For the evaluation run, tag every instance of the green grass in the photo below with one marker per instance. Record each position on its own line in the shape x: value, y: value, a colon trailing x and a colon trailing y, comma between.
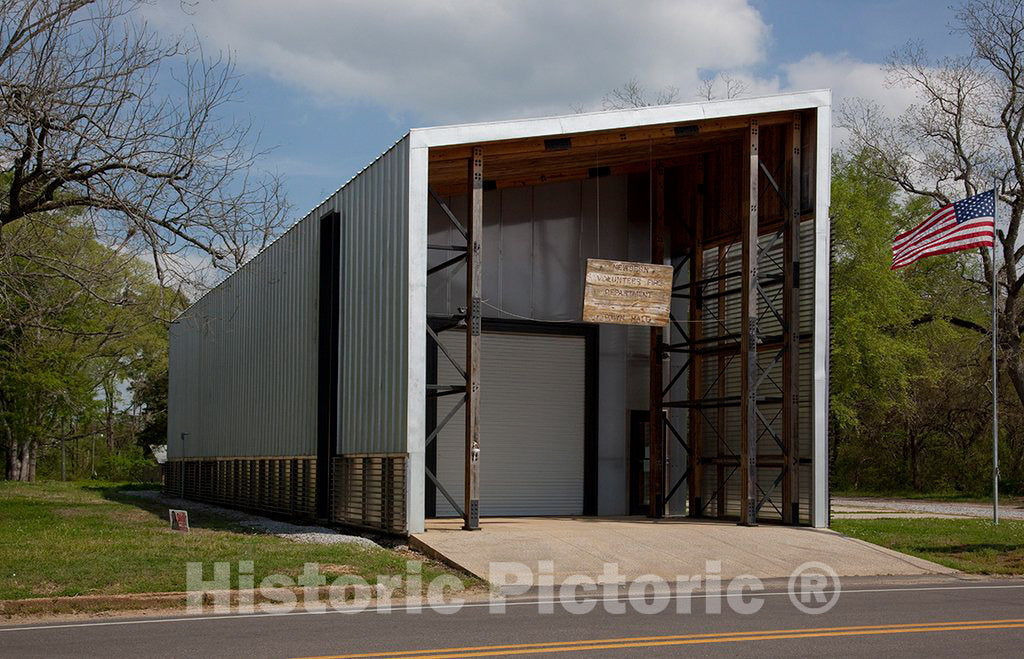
x: 970, y: 545
x: 91, y: 538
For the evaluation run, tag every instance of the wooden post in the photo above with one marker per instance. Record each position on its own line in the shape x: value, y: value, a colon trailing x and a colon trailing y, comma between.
x: 791, y: 334
x: 696, y: 330
x: 474, y: 280
x: 748, y: 331
x: 657, y: 451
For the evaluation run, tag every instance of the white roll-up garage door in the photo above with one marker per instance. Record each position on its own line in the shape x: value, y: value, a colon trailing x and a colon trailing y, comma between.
x: 531, y: 424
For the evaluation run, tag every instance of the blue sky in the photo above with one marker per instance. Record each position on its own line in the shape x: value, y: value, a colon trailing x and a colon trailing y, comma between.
x: 332, y: 84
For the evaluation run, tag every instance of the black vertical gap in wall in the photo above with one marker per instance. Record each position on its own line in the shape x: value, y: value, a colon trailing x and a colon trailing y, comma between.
x: 430, y: 496
x: 328, y: 351
x: 590, y: 420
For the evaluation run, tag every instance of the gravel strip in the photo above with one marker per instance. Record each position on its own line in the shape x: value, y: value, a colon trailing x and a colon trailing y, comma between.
x: 936, y: 507
x: 295, y: 532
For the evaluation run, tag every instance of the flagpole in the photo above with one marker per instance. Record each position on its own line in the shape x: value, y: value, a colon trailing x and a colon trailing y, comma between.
x: 995, y: 361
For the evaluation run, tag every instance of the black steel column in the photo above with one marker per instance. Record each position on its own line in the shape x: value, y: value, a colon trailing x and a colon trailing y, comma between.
x: 791, y: 334
x: 657, y: 448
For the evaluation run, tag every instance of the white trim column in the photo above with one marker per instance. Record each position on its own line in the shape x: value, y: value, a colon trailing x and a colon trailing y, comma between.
x: 417, y: 347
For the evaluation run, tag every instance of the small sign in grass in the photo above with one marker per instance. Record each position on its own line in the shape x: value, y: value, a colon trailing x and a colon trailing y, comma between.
x: 179, y: 520
x: 91, y: 539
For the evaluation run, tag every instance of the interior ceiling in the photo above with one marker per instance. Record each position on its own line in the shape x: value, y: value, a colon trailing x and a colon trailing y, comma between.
x: 515, y: 163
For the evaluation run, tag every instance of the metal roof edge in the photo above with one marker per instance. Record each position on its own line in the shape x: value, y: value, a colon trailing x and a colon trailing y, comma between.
x: 615, y: 119
x: 305, y: 217
x: 565, y: 124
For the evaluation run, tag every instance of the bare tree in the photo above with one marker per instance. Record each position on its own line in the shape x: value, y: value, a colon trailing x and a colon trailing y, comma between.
x: 102, y: 115
x: 722, y: 85
x: 633, y: 94
x: 966, y: 130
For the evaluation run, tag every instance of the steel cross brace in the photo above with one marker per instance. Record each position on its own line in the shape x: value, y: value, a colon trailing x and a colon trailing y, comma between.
x: 771, y: 490
x: 449, y: 213
x: 444, y: 350
x: 714, y: 495
x: 451, y: 500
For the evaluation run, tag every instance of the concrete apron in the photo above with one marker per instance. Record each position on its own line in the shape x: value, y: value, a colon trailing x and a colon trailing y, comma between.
x: 666, y: 548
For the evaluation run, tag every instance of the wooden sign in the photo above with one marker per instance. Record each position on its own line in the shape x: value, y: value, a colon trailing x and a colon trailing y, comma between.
x: 179, y: 520
x: 627, y: 293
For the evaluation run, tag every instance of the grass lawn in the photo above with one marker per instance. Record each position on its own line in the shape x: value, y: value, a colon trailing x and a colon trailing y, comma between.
x: 970, y: 545
x: 1004, y: 500
x: 92, y: 539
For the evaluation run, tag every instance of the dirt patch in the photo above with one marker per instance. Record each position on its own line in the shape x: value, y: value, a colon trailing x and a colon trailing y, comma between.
x: 54, y: 606
x: 47, y: 588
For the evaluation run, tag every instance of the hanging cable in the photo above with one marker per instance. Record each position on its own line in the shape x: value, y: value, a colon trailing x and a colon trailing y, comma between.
x: 536, y: 320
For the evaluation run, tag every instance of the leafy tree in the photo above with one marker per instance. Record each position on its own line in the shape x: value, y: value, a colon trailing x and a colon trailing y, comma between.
x: 909, y: 352
x: 966, y: 130
x: 150, y: 396
x: 875, y: 353
x: 63, y: 347
x: 118, y: 174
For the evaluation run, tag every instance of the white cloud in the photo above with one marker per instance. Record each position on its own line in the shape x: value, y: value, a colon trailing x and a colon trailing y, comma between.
x: 459, y: 60
x: 848, y: 77
x: 462, y: 60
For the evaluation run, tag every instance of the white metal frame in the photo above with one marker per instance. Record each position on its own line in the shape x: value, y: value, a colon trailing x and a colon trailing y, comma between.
x: 422, y: 139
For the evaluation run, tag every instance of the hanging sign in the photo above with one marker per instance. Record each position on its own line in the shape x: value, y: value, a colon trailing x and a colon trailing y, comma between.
x: 627, y: 293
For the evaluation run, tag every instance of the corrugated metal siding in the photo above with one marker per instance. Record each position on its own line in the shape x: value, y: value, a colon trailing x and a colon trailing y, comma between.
x: 243, y: 358
x: 536, y: 243
x: 374, y: 210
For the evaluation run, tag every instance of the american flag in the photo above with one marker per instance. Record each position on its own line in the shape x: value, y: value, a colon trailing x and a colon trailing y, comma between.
x: 964, y: 224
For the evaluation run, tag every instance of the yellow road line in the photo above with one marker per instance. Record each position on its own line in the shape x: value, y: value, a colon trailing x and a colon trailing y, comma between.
x: 727, y: 639
x: 686, y: 639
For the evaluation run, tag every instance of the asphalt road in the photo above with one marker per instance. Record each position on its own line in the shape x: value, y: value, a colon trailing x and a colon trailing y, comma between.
x: 914, y: 617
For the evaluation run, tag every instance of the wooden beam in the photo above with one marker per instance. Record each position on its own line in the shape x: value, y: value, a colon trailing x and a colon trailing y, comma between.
x: 657, y: 449
x: 642, y: 134
x: 474, y: 281
x: 518, y: 170
x: 696, y: 330
x: 748, y: 331
x: 791, y: 333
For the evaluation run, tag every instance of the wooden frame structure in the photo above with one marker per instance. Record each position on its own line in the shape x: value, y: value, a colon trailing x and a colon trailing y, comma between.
x: 535, y: 161
x: 471, y: 254
x: 748, y: 344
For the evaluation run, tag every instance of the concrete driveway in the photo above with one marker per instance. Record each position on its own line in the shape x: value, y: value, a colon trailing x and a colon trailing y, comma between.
x: 666, y: 548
